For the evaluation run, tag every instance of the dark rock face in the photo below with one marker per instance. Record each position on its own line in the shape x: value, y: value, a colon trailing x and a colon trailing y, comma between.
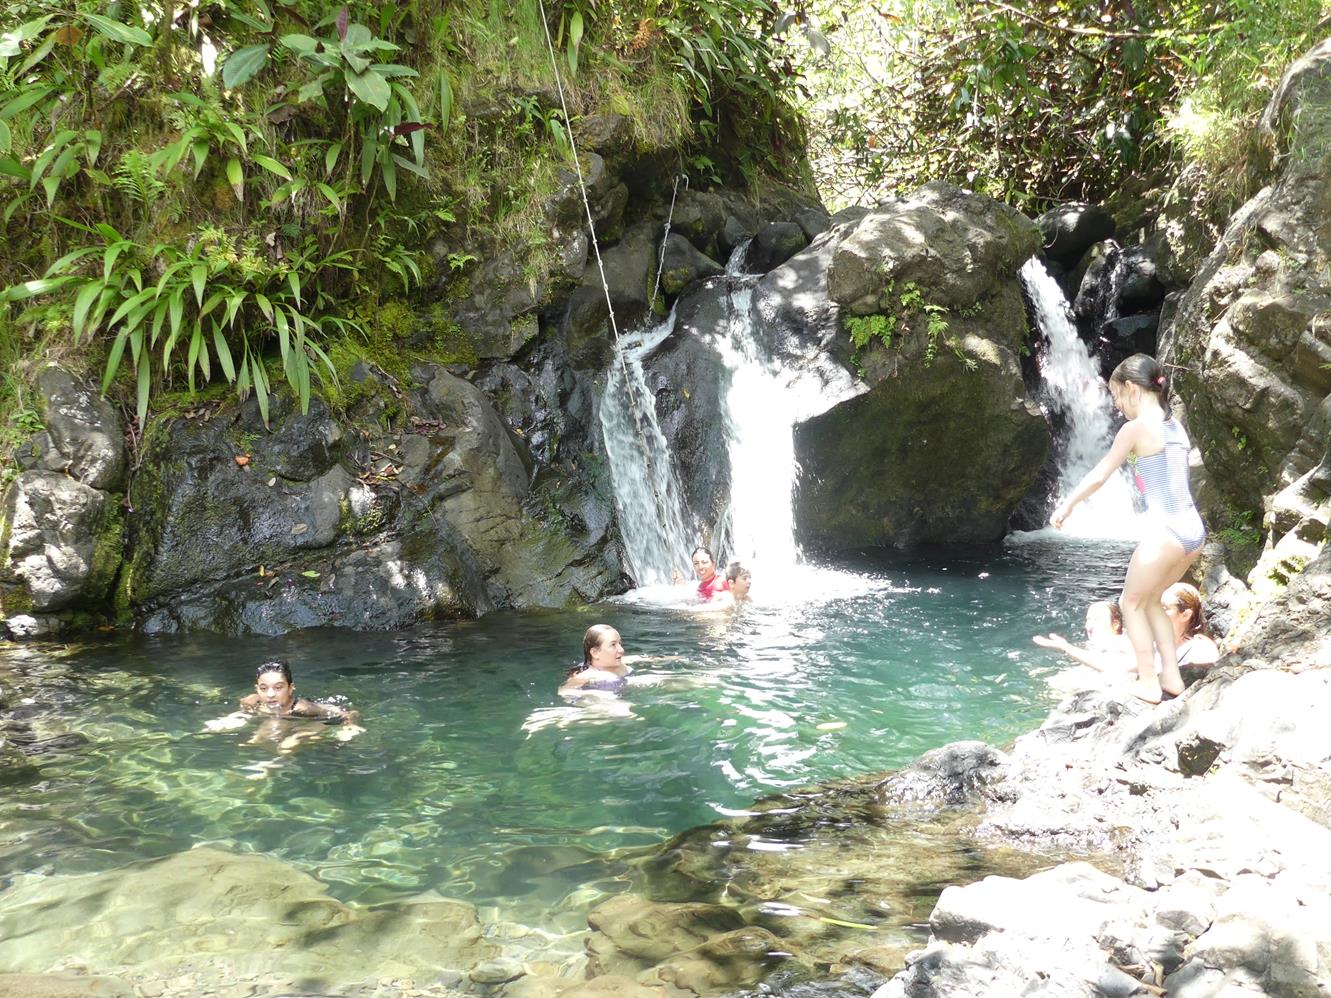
x: 1251, y: 339
x: 689, y: 382
x: 952, y: 452
x: 938, y: 270
x: 352, y: 526
x: 682, y: 264
x: 774, y: 244
x: 1068, y: 231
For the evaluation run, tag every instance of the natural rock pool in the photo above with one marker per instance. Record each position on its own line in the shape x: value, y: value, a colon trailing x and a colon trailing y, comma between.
x: 474, y: 782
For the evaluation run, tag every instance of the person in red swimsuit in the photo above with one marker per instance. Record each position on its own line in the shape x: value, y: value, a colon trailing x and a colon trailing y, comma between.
x: 709, y: 582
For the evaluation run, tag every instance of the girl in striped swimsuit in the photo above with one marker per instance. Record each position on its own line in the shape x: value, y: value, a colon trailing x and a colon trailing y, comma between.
x: 1173, y: 541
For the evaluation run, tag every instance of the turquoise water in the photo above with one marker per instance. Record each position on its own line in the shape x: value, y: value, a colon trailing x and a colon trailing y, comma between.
x: 472, y: 774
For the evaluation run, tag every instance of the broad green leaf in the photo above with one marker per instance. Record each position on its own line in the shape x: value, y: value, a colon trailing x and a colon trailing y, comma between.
x: 265, y: 306
x: 242, y: 65
x: 200, y: 150
x: 311, y: 90
x: 38, y: 54
x: 272, y: 166
x: 411, y: 167
x: 310, y: 575
x: 192, y: 355
x: 330, y: 157
x: 145, y: 384
x: 260, y: 387
x: 198, y: 275
x: 92, y: 145
x: 235, y: 176
x: 117, y: 31
x: 238, y: 134
x: 301, y: 44
x: 445, y: 101
x: 30, y: 289
x: 293, y: 280
x: 223, y: 354
x: 23, y: 101
x: 13, y: 168
x: 389, y: 172
x: 331, y: 195
x: 6, y: 138
x: 113, y: 358
x: 369, y: 87
x: 82, y: 303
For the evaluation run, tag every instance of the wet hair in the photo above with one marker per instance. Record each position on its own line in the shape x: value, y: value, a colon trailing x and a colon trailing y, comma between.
x: 704, y: 551
x: 278, y: 665
x: 596, y: 636
x: 1143, y: 371
x: 734, y: 570
x: 1115, y: 613
x: 1186, y: 597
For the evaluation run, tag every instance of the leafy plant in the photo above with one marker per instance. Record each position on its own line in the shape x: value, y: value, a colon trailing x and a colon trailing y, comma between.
x: 214, y: 301
x: 384, y: 117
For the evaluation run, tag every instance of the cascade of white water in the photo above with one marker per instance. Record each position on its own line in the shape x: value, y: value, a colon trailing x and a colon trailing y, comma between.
x: 762, y: 406
x: 647, y: 496
x: 1076, y: 391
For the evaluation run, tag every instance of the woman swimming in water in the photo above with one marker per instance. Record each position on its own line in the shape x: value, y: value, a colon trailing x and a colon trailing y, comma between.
x: 603, y: 670
x: 1160, y: 447
x: 1107, y: 648
x: 274, y: 698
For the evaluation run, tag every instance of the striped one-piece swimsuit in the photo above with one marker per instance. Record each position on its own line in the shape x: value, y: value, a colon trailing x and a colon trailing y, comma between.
x: 1163, y: 480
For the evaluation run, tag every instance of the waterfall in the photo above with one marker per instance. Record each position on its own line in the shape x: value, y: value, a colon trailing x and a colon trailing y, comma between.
x: 1072, y: 381
x: 764, y: 402
x: 647, y: 497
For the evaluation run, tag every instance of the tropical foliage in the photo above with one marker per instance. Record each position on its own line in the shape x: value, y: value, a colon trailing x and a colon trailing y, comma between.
x: 192, y: 192
x: 1037, y: 101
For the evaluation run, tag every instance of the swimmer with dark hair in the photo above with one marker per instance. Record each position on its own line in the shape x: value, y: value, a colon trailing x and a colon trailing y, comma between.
x: 274, y: 698
x: 738, y: 580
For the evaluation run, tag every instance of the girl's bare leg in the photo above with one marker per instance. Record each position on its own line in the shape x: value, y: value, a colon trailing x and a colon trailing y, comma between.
x: 1157, y: 564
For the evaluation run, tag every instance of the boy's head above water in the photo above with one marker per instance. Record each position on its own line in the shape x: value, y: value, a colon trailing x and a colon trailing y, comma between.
x: 272, y: 683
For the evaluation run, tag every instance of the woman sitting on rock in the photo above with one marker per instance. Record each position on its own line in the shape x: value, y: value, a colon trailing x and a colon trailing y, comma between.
x: 1183, y: 604
x: 1173, y: 540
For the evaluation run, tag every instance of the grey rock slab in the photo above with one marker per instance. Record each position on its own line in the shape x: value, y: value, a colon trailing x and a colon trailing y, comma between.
x: 53, y: 528
x: 84, y: 428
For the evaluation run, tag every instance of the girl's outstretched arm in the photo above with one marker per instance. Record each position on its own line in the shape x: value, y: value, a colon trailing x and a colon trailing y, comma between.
x: 1118, y: 453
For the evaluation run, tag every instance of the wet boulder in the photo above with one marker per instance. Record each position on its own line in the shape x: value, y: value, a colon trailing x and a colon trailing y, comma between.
x: 682, y: 264
x: 1069, y: 230
x: 61, y: 543
x: 939, y: 453
x: 774, y: 244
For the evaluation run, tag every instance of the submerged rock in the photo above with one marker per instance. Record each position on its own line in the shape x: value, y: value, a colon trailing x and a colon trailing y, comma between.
x: 174, y: 915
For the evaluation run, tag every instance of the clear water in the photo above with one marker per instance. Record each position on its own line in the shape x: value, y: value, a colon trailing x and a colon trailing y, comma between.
x: 446, y: 790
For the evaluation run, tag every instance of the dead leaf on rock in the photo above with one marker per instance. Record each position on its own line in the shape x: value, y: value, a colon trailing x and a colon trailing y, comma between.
x: 300, y: 528
x: 242, y: 460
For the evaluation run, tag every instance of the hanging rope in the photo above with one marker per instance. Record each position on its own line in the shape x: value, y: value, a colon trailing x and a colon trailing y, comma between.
x: 670, y: 215
x: 596, y: 248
